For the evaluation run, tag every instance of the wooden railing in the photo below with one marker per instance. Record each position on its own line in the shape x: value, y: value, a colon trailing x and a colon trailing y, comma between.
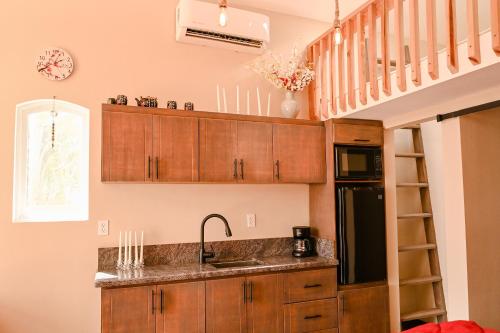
x: 335, y: 88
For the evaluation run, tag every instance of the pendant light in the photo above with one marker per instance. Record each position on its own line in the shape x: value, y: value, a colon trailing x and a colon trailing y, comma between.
x: 223, y: 13
x: 337, y: 29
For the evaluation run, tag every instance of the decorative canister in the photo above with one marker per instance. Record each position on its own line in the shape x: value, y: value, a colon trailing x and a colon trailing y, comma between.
x: 189, y: 106
x: 111, y: 100
x: 121, y: 100
x: 289, y: 107
x: 172, y: 105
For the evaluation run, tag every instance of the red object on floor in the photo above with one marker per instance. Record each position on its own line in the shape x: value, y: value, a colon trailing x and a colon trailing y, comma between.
x: 459, y: 326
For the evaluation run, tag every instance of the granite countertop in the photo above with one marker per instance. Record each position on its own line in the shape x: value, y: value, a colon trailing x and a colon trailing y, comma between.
x: 194, y: 271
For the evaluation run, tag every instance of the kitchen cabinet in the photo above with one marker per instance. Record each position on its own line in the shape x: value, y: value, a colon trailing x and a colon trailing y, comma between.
x: 175, y: 147
x: 128, y: 310
x: 255, y: 152
x: 299, y: 153
x: 252, y: 304
x: 311, y: 316
x: 358, y: 134
x: 181, y: 308
x: 127, y: 147
x: 364, y: 310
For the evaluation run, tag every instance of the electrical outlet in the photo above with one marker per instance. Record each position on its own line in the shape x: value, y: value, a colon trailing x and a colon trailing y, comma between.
x: 251, y: 220
x: 103, y: 228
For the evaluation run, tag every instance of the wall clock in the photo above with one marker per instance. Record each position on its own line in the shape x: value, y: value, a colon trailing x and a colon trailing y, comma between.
x: 54, y: 64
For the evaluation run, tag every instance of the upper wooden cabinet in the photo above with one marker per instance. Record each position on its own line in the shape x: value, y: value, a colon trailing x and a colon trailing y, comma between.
x: 299, y: 153
x: 128, y: 310
x: 161, y: 146
x: 127, y: 147
x: 364, y: 310
x: 175, y: 147
x: 358, y: 134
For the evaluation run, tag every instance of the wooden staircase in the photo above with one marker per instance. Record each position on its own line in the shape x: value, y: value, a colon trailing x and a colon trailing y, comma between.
x: 438, y: 311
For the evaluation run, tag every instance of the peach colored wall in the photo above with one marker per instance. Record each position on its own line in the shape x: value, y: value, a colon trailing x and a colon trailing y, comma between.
x: 47, y: 269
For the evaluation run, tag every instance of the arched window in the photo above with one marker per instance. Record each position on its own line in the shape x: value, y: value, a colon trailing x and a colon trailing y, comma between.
x: 51, y: 162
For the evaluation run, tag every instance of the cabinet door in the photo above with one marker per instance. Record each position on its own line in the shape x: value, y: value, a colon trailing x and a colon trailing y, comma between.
x: 225, y: 306
x: 181, y: 308
x: 364, y: 310
x: 127, y: 145
x: 299, y: 153
x: 218, y: 160
x: 128, y: 310
x: 265, y: 304
x: 175, y: 148
x: 255, y: 152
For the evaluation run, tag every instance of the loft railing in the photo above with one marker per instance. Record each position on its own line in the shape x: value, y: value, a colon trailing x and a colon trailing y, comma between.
x: 362, y: 59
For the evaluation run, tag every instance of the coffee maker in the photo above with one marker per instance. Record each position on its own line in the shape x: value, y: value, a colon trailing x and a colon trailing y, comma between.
x: 303, y: 244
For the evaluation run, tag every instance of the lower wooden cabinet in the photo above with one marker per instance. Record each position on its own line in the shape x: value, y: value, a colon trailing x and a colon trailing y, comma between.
x: 364, y: 310
x: 128, y: 310
x: 311, y: 316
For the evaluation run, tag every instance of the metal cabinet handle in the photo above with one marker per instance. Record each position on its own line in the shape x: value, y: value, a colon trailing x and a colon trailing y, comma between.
x: 313, y: 317
x: 278, y: 169
x: 157, y: 168
x: 362, y: 140
x: 251, y: 292
x: 149, y: 167
x: 161, y: 300
x: 316, y: 285
x: 235, y: 170
x: 244, y: 292
x: 241, y: 168
x: 152, y: 302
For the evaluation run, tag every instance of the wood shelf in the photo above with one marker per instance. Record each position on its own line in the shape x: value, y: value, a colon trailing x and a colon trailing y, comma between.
x: 434, y: 312
x: 414, y: 216
x: 410, y: 155
x: 420, y: 185
x: 418, y: 247
x: 420, y: 280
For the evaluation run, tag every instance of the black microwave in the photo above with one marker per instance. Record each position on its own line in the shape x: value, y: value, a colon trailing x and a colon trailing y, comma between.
x: 358, y: 163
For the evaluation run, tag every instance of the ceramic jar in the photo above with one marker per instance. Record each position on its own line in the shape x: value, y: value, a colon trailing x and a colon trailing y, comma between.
x: 289, y: 107
x: 121, y: 100
x: 189, y: 106
x: 172, y: 105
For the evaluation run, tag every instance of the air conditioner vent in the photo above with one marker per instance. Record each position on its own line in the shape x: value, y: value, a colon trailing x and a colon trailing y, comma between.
x: 223, y: 38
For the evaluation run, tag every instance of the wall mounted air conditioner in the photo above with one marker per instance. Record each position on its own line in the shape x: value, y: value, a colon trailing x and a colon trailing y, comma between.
x: 197, y: 22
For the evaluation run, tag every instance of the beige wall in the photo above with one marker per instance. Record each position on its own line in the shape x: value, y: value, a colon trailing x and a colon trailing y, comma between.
x: 47, y: 269
x: 480, y: 134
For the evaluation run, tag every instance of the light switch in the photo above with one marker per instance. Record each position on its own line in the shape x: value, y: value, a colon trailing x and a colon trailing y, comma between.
x: 103, y: 228
x: 251, y: 220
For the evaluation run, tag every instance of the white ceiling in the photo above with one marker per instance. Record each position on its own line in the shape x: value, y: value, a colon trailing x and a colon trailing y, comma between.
x: 321, y: 10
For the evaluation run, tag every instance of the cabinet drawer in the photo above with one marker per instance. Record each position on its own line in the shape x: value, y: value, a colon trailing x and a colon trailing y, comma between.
x: 310, y: 285
x: 311, y: 316
x: 358, y: 134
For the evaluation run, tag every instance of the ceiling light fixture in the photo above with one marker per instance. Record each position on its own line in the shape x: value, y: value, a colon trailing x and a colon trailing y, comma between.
x: 337, y: 29
x: 223, y: 13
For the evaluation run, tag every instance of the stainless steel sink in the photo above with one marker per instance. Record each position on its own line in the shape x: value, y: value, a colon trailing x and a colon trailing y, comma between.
x: 237, y: 263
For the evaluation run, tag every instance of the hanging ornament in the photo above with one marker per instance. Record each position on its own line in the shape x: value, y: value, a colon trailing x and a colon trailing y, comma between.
x: 53, y: 113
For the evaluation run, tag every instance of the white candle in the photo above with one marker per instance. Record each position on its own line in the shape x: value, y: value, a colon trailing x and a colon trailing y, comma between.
x: 237, y: 99
x: 248, y: 101
x: 125, y: 247
x: 136, y: 252
x: 258, y: 102
x: 268, y: 104
x: 130, y: 246
x: 218, y: 98
x: 120, y: 249
x: 141, y: 260
x: 224, y: 99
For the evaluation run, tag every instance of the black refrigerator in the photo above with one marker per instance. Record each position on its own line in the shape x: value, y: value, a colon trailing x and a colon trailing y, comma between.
x: 361, y: 240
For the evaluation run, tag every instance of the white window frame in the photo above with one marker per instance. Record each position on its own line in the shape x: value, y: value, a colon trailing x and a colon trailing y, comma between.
x: 20, y: 212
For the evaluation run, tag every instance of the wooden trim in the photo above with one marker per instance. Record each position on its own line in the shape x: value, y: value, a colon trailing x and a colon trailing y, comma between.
x: 323, y: 85
x: 205, y: 114
x: 384, y: 35
x: 495, y: 25
x: 415, y: 43
x: 340, y: 67
x: 350, y: 66
x: 105, y: 150
x: 311, y: 89
x: 432, y: 57
x: 474, y: 50
x: 361, y: 58
x: 400, y: 52
x: 317, y: 66
x: 451, y: 34
x: 372, y: 50
x: 333, y: 87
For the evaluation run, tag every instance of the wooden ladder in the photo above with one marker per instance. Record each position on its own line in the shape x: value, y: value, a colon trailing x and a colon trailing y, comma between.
x: 437, y: 312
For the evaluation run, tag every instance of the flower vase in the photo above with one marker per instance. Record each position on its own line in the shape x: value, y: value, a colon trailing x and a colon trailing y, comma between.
x: 289, y: 107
